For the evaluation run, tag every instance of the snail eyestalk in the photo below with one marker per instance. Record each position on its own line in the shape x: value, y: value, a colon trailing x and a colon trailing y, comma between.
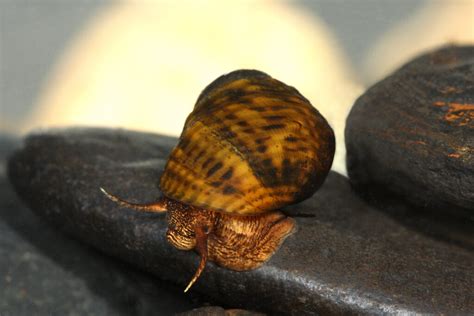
x: 202, y: 232
x: 157, y: 207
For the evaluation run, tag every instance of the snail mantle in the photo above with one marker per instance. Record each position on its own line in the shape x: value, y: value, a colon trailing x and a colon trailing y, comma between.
x: 346, y: 256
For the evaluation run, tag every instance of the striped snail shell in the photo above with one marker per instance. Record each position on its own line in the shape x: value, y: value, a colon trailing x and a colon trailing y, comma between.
x: 251, y: 146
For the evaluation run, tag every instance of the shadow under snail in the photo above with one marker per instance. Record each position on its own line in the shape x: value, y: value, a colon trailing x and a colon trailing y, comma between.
x: 251, y: 146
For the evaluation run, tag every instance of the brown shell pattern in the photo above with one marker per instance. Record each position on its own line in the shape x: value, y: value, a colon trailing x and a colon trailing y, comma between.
x: 252, y: 144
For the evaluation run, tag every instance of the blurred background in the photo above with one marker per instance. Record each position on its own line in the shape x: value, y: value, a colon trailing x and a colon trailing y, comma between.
x: 140, y: 64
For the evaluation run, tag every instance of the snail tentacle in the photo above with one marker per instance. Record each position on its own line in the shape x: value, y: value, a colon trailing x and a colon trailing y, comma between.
x: 202, y: 233
x: 156, y: 207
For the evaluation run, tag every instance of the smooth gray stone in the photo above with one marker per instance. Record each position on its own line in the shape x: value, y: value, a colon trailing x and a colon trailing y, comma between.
x: 45, y: 272
x: 346, y: 257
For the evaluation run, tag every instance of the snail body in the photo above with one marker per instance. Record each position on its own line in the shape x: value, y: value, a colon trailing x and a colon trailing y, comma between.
x: 251, y: 146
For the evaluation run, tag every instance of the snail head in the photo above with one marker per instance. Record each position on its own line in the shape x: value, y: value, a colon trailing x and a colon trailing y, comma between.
x: 188, y: 226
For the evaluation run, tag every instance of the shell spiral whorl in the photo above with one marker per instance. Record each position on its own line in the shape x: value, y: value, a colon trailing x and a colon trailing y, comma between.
x: 252, y: 144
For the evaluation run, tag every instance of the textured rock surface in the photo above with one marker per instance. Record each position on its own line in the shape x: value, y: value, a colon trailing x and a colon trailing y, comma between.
x: 346, y: 256
x: 413, y: 133
x: 44, y: 272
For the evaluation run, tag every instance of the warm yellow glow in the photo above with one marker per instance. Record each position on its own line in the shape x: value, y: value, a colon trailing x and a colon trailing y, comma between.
x: 141, y: 65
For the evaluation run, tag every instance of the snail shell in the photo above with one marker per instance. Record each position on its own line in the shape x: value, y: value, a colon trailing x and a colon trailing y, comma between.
x: 251, y: 146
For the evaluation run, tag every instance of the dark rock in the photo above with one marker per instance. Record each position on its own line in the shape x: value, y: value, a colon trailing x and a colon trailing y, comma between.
x: 44, y: 272
x: 345, y: 257
x: 413, y: 133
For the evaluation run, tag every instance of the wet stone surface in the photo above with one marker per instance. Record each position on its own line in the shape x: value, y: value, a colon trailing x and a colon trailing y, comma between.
x: 413, y: 133
x: 347, y: 256
x: 45, y: 272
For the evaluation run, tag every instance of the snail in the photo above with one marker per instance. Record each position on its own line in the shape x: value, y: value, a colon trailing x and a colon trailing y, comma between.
x: 251, y: 146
